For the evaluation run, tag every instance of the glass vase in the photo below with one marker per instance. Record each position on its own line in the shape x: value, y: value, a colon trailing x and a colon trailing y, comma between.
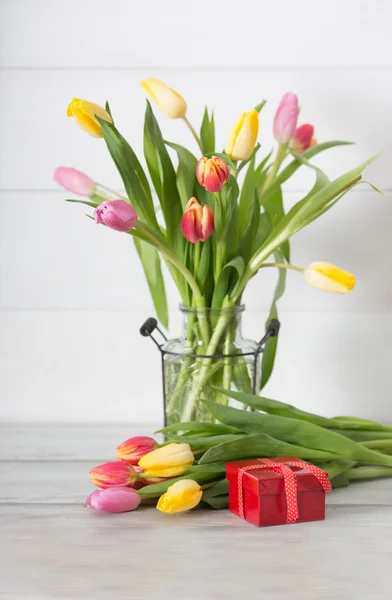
x: 210, y: 354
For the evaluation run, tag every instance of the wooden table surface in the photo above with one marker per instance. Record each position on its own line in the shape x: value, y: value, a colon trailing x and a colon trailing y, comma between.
x: 53, y: 547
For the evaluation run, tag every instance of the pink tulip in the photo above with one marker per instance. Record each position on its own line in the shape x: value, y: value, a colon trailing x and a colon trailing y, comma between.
x: 113, y: 474
x: 286, y: 117
x: 132, y: 450
x: 114, y: 500
x: 74, y: 181
x: 212, y: 173
x: 116, y: 214
x: 197, y: 222
x: 302, y: 139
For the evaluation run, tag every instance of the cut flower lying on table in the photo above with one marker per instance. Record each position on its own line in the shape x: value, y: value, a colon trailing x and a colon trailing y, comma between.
x: 191, y: 466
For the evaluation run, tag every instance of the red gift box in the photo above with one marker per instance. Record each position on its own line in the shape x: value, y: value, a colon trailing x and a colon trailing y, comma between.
x: 276, y: 491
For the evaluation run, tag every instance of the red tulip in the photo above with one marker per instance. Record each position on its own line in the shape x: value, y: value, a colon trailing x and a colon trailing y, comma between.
x: 113, y: 474
x: 132, y: 450
x: 197, y: 222
x: 212, y: 173
x: 302, y: 139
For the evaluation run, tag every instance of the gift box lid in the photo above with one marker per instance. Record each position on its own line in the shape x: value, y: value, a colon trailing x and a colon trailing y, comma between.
x: 263, y: 482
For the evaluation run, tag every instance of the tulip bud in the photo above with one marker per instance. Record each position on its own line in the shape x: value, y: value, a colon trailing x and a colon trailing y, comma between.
x: 85, y: 113
x: 286, y: 117
x: 168, y: 101
x: 167, y: 461
x: 212, y: 173
x: 74, y: 181
x: 197, y: 222
x: 181, y: 496
x: 114, y: 500
x: 113, y: 474
x: 132, y: 450
x: 327, y: 277
x: 116, y: 214
x: 242, y: 138
x: 302, y: 139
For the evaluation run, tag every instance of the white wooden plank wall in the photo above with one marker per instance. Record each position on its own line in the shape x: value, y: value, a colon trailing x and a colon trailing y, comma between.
x: 72, y: 296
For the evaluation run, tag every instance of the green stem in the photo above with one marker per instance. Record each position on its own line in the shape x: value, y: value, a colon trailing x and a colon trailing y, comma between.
x: 206, y: 364
x: 369, y: 473
x: 227, y: 368
x: 283, y: 266
x: 193, y: 132
x: 159, y: 242
x: 220, y: 243
x: 197, y: 259
x: 114, y: 192
x: 279, y: 158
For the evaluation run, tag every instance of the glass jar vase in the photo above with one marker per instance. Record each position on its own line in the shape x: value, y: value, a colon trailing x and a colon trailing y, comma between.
x: 210, y: 354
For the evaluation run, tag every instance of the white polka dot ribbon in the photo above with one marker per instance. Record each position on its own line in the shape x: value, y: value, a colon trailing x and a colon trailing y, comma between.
x: 290, y: 482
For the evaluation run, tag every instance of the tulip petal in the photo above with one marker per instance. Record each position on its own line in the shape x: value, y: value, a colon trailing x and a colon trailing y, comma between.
x: 168, y: 100
x: 285, y: 121
x: 329, y: 278
x: 171, y: 455
x: 85, y: 113
x: 242, y: 138
x: 181, y: 496
x: 115, y: 500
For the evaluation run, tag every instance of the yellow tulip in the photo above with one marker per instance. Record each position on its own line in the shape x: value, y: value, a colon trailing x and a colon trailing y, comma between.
x: 84, y: 113
x: 168, y: 101
x: 242, y: 138
x: 327, y: 277
x: 167, y: 461
x: 182, y: 495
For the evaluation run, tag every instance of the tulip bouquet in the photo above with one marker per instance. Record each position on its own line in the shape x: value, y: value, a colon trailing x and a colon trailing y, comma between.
x: 189, y: 469
x: 220, y: 218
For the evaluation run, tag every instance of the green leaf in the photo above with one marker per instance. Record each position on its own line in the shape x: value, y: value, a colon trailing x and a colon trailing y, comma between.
x: 203, y: 269
x: 217, y: 502
x: 261, y: 446
x: 259, y: 107
x: 363, y: 435
x: 264, y: 228
x: 337, y: 467
x: 273, y: 206
x: 245, y: 162
x: 246, y: 204
x: 222, y: 284
x: 132, y: 173
x: 86, y: 202
x: 152, y: 268
x: 217, y: 468
x: 288, y: 171
x: 157, y: 489
x: 307, y: 208
x: 270, y: 348
x: 207, y: 133
x: 292, y: 431
x: 188, y: 426
x: 218, y: 489
x: 107, y: 108
x: 186, y: 172
x: 164, y: 179
x: 261, y: 170
x: 202, y: 442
